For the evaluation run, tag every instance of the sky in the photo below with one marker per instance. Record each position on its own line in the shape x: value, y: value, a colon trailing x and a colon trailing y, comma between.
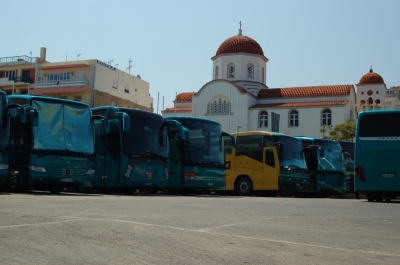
x: 171, y: 42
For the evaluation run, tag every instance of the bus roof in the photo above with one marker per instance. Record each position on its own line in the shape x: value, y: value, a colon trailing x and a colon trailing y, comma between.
x: 25, y: 99
x: 131, y: 112
x: 190, y: 118
x: 312, y: 139
x: 259, y: 133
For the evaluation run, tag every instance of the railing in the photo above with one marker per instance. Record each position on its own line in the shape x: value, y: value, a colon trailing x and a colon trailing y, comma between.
x: 62, y: 83
x: 22, y: 80
x: 18, y: 59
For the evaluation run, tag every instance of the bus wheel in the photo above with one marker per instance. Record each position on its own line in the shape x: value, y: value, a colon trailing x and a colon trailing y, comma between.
x: 185, y: 192
x: 379, y: 198
x: 55, y: 190
x: 150, y: 191
x: 244, y: 187
x: 370, y: 197
x: 388, y: 199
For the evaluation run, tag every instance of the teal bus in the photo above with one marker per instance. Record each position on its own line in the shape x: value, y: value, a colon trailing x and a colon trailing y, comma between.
x: 197, y: 162
x: 133, y: 155
x: 5, y: 110
x: 54, y: 148
x: 377, y: 152
x: 325, y: 163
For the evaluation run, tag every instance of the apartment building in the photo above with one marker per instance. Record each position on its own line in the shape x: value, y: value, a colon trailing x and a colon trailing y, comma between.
x: 91, y: 81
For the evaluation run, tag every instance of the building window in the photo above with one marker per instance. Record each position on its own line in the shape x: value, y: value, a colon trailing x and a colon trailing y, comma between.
x: 127, y: 87
x: 59, y: 77
x: 326, y: 117
x: 78, y: 98
x: 263, y: 120
x: 218, y: 106
x: 250, y: 71
x: 263, y: 75
x: 231, y: 70
x: 216, y: 72
x: 115, y: 83
x: 294, y: 118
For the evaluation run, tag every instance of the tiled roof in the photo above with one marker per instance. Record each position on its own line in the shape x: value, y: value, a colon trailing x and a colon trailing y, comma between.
x: 185, y: 96
x: 371, y: 78
x: 312, y: 91
x: 63, y: 66
x: 301, y: 104
x: 178, y: 109
x: 240, y: 43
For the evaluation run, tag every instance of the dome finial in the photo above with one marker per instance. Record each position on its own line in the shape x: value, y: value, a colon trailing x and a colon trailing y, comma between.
x: 240, y: 29
x: 370, y: 70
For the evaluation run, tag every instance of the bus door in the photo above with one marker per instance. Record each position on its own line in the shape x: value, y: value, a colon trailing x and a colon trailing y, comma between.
x: 311, y: 158
x: 271, y: 168
x: 177, y: 136
x: 20, y: 150
x: 107, y: 153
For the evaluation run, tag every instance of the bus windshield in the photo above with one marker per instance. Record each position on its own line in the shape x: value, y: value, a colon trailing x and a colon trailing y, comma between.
x: 332, y: 158
x: 63, y: 127
x: 206, y: 145
x: 146, y: 136
x: 290, y: 157
x: 379, y: 125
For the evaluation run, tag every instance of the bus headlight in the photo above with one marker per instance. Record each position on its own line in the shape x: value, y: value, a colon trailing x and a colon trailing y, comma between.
x: 38, y: 169
x: 128, y: 171
x: 3, y: 166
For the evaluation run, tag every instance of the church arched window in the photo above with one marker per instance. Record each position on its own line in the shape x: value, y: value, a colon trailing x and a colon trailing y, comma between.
x: 263, y: 75
x: 231, y: 70
x: 216, y: 73
x: 250, y: 71
x: 263, y: 119
x: 326, y: 117
x: 219, y: 106
x: 294, y: 118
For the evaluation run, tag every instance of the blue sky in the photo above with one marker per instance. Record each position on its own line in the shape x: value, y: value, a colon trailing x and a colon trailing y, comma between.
x: 170, y: 43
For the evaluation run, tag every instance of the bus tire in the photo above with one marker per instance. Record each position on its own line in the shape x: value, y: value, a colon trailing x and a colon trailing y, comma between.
x: 378, y: 198
x: 244, y: 187
x: 55, y: 190
x: 370, y: 197
x: 149, y: 191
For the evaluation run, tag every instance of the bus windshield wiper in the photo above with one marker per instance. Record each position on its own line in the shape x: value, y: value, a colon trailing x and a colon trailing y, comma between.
x: 155, y: 155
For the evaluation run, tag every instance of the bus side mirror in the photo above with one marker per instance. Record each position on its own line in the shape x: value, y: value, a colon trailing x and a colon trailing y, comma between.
x: 280, y: 146
x: 21, y: 114
x: 187, y: 135
x: 34, y: 116
x: 126, y: 120
x: 103, y: 120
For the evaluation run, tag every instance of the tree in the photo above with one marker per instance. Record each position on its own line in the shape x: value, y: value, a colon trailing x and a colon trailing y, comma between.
x: 343, y: 131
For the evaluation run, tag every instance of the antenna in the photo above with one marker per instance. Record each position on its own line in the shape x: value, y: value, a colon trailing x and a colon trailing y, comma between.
x: 130, y: 66
x: 116, y: 65
x: 77, y: 56
x: 110, y: 62
x: 30, y: 53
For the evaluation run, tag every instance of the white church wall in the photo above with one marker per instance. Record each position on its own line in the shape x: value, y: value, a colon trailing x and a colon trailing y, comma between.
x: 240, y: 62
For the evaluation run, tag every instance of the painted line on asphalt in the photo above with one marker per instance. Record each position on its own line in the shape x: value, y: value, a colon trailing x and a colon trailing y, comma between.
x: 38, y: 224
x: 247, y: 237
x: 227, y: 225
x: 204, y: 230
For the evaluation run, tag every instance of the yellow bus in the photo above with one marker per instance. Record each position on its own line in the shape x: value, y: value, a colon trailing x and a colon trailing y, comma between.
x: 265, y: 162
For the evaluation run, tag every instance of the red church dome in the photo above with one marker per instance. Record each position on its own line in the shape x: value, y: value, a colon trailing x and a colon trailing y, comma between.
x: 240, y: 43
x: 371, y: 78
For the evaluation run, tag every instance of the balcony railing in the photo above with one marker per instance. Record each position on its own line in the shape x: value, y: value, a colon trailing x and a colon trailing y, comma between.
x: 62, y: 83
x: 17, y: 59
x: 22, y: 80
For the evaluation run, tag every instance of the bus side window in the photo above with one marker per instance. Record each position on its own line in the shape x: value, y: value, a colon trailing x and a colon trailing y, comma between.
x: 269, y: 157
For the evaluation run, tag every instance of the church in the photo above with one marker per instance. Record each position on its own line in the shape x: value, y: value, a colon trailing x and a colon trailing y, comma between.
x: 240, y: 100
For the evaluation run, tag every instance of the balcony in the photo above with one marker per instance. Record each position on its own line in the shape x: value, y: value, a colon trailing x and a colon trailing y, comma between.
x: 61, y: 86
x: 22, y: 58
x: 22, y: 80
x: 62, y: 83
